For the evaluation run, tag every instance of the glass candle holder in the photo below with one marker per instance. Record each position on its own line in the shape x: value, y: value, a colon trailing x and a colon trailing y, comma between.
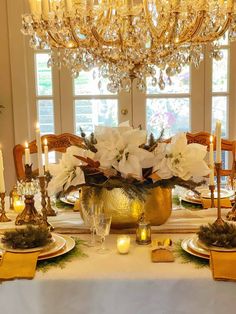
x: 143, y: 233
x: 123, y: 244
x: 19, y: 206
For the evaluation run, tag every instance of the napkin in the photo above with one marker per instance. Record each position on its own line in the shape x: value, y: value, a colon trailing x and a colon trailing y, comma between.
x: 225, y: 202
x: 223, y: 265
x: 18, y: 265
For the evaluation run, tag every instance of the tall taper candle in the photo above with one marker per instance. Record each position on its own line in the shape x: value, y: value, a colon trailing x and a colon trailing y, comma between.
x: 27, y: 154
x: 218, y: 141
x: 45, y: 148
x: 2, y: 182
x: 39, y: 149
x: 211, y: 161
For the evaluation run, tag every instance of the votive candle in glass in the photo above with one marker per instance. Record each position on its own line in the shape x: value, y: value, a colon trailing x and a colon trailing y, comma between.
x: 123, y: 244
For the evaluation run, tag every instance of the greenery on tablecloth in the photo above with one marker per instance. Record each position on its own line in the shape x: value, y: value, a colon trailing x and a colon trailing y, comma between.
x: 61, y: 261
x: 187, y: 205
x: 187, y: 258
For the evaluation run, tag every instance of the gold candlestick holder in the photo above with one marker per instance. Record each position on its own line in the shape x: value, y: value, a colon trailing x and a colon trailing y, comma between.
x: 231, y: 216
x: 3, y: 216
x: 28, y: 188
x: 50, y: 210
x: 212, y: 189
x: 219, y: 220
x: 42, y: 184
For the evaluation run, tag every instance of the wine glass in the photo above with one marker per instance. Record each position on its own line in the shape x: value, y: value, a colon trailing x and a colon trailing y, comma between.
x: 102, y: 226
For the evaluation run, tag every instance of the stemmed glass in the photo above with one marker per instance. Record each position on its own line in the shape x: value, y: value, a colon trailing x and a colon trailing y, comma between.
x: 102, y: 226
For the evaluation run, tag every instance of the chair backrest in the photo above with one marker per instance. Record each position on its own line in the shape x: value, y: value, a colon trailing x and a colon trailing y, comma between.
x: 58, y: 143
x: 226, y: 145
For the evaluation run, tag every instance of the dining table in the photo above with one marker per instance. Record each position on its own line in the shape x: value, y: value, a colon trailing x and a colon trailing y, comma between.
x: 114, y: 283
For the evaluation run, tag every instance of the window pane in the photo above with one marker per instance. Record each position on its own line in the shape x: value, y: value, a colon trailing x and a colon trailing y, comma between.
x: 220, y: 73
x: 89, y: 113
x: 180, y: 83
x: 43, y: 75
x: 170, y: 114
x: 220, y: 112
x: 46, y: 116
x: 88, y: 84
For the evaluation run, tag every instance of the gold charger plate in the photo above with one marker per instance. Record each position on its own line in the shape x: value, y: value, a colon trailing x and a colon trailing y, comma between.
x: 69, y: 245
x: 186, y: 248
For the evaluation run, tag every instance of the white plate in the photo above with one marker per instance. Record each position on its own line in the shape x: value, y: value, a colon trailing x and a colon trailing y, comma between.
x: 205, y: 193
x: 57, y: 244
x: 30, y: 250
x: 185, y: 247
x: 70, y: 244
x: 214, y: 248
x: 194, y: 246
x: 64, y: 200
x: 70, y: 198
x: 191, y: 197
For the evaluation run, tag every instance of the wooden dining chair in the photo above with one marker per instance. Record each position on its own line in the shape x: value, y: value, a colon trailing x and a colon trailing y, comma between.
x: 226, y: 146
x: 57, y: 143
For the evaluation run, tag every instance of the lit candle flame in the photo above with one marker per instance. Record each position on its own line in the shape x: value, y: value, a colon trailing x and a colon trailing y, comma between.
x: 211, y: 139
x: 37, y: 125
x: 45, y: 142
x: 26, y: 145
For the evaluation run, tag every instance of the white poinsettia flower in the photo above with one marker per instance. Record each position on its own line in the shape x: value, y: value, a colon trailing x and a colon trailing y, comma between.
x: 120, y: 148
x: 181, y: 159
x: 68, y: 172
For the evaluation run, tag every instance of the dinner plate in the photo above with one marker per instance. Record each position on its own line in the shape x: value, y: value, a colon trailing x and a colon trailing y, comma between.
x: 186, y: 248
x: 30, y: 250
x: 214, y: 248
x: 57, y: 244
x: 191, y: 197
x: 70, y: 198
x: 69, y: 245
x: 194, y: 246
x: 206, y: 193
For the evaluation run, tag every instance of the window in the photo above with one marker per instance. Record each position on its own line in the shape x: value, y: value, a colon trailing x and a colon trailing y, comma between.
x: 169, y: 109
x: 93, y: 104
x: 44, y: 97
x: 44, y: 94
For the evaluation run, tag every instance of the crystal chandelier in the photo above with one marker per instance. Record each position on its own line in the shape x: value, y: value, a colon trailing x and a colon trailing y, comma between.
x: 128, y: 39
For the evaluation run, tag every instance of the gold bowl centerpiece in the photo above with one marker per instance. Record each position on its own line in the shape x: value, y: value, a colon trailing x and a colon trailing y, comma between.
x: 125, y: 173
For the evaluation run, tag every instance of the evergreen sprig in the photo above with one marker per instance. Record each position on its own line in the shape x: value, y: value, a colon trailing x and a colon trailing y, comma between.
x: 26, y: 238
x: 218, y: 235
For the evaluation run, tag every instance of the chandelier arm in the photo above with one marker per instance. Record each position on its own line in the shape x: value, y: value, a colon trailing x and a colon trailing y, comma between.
x: 174, y: 25
x: 220, y: 31
x: 153, y: 29
x: 100, y: 40
x: 196, y: 28
x: 57, y: 40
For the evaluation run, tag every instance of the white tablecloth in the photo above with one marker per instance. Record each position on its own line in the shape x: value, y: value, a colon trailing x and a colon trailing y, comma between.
x: 119, y: 284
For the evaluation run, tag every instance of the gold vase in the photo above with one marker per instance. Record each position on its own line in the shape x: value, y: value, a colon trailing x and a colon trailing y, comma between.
x: 126, y: 212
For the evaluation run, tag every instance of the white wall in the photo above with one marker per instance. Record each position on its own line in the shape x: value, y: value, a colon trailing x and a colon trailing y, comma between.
x: 6, y: 118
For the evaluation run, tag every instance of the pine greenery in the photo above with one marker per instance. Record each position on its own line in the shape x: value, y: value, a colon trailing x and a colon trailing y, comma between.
x: 28, y: 237
x: 218, y: 235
